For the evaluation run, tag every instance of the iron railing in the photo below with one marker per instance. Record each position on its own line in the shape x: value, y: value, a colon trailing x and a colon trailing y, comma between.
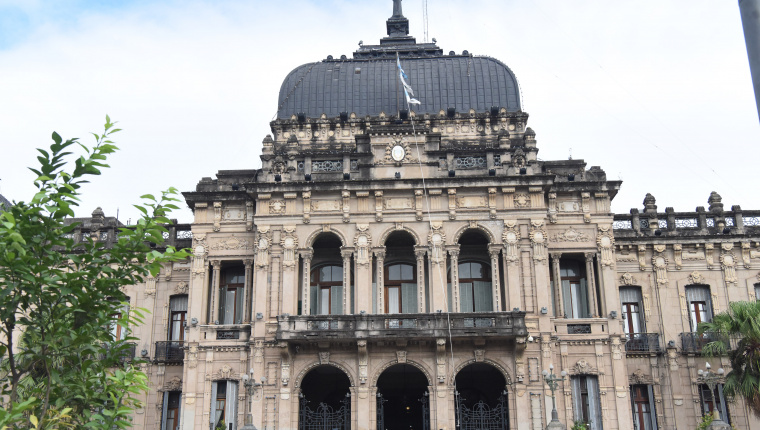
x: 172, y: 351
x: 642, y: 342
x: 692, y: 342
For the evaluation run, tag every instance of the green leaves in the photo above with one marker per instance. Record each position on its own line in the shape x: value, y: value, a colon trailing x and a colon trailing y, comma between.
x: 67, y: 370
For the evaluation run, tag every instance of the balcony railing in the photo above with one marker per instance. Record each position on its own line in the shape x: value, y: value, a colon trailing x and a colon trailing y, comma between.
x: 643, y: 343
x: 172, y: 351
x: 409, y: 326
x: 692, y: 342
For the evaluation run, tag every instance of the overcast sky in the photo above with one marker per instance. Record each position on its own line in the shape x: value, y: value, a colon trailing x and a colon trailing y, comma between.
x: 657, y: 93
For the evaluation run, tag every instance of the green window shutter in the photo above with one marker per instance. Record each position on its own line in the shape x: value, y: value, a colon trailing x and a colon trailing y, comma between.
x: 483, y: 296
x: 336, y: 300
x: 465, y: 295
x: 567, y: 299
x: 314, y: 298
x: 584, y: 300
x: 409, y: 298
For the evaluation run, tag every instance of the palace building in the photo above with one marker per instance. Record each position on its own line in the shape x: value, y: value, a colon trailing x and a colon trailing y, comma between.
x: 395, y: 268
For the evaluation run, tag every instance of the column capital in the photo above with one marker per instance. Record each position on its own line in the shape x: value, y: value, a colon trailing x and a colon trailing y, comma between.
x: 346, y: 252
x: 555, y: 255
x: 248, y: 262
x: 306, y: 253
x: 589, y: 256
x: 216, y: 264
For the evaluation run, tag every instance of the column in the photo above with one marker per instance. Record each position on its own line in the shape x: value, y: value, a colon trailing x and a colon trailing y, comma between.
x: 559, y: 310
x: 290, y: 283
x: 247, y: 293
x: 420, y: 252
x: 306, y: 256
x: 380, y: 268
x: 454, y: 254
x: 216, y: 266
x: 437, y: 268
x: 346, y: 253
x: 591, y: 282
x: 493, y: 251
x: 512, y: 284
x: 363, y: 279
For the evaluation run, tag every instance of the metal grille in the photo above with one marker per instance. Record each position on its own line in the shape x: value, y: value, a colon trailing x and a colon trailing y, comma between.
x: 497, y: 160
x: 644, y: 223
x: 481, y: 416
x: 751, y: 221
x: 729, y: 222
x: 170, y: 352
x: 354, y: 165
x: 184, y: 234
x: 470, y: 162
x: 578, y: 328
x: 479, y: 322
x: 325, y: 417
x: 401, y: 323
x: 686, y: 223
x: 228, y: 334
x: 662, y: 223
x: 642, y: 342
x: 327, y: 166
x: 623, y: 224
x: 300, y: 166
x: 710, y: 222
x: 323, y: 325
x: 381, y: 412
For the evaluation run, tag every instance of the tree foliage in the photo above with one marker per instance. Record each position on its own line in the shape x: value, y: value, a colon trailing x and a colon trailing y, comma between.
x: 62, y: 366
x: 739, y: 326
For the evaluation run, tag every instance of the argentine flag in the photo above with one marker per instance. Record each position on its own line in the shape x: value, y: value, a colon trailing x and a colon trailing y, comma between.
x: 407, y: 88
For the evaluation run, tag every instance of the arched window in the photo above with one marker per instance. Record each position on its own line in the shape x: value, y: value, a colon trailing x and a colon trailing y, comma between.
x: 475, y: 287
x: 327, y: 290
x: 400, y: 288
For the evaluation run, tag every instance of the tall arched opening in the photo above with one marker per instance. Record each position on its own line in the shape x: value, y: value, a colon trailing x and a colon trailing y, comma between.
x: 325, y: 400
x: 481, y: 398
x: 402, y: 399
x: 400, y: 275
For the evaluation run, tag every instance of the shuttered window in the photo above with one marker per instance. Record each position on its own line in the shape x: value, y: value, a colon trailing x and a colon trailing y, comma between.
x: 642, y: 404
x: 574, y: 289
x: 177, y: 317
x: 586, y: 407
x: 400, y: 288
x: 327, y: 290
x: 700, y: 305
x: 631, y: 303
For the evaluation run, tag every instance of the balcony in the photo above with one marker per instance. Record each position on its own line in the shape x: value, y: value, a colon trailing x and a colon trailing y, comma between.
x: 693, y: 343
x: 170, y: 352
x: 504, y: 325
x: 642, y: 343
x: 122, y: 353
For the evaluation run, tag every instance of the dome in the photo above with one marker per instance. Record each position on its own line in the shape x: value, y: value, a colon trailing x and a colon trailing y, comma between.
x: 368, y: 83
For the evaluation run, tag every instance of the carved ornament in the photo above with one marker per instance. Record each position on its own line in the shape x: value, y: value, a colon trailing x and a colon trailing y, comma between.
x: 570, y: 235
x: 696, y: 278
x: 627, y: 279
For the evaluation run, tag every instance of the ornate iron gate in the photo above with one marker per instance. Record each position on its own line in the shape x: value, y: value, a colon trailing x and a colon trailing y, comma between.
x: 325, y: 417
x: 483, y: 417
x: 425, y: 401
x: 380, y: 412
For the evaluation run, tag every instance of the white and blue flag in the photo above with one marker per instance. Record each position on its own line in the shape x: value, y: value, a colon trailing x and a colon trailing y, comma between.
x: 407, y: 88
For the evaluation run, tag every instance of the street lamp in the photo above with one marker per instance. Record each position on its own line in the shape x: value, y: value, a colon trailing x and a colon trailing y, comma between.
x: 552, y: 381
x: 250, y: 385
x: 711, y: 379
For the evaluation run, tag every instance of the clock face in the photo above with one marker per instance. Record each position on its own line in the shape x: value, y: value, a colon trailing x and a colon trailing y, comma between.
x: 398, y: 152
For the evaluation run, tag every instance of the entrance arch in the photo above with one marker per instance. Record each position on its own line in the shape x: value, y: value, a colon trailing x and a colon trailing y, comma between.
x: 402, y: 399
x: 325, y: 400
x: 481, y: 398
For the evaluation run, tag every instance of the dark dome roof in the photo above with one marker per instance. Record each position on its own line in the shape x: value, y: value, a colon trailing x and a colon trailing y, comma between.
x: 371, y: 86
x: 4, y: 203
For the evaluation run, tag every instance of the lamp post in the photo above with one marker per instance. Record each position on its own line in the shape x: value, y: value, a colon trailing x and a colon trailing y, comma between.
x: 552, y: 381
x: 711, y: 379
x: 250, y: 385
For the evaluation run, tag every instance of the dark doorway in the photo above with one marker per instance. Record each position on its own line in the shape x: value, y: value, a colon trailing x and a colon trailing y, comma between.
x: 481, y: 398
x: 402, y: 399
x: 325, y: 400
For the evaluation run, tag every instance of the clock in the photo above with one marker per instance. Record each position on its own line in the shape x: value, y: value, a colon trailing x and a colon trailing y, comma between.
x: 398, y: 152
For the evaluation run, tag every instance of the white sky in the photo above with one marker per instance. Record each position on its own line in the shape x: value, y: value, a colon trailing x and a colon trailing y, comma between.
x: 658, y: 93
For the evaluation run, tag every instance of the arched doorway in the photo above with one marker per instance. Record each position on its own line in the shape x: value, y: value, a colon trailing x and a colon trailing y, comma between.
x: 481, y: 398
x: 325, y: 400
x: 402, y: 399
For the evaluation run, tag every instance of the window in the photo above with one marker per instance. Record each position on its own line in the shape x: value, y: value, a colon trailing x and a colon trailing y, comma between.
x: 642, y: 402
x: 574, y: 289
x: 630, y: 298
x: 711, y: 401
x: 231, y: 296
x: 224, y: 405
x: 400, y: 288
x: 757, y: 292
x: 475, y: 287
x: 327, y: 290
x: 700, y: 305
x: 177, y: 317
x: 170, y: 414
x: 118, y: 331
x: 586, y: 407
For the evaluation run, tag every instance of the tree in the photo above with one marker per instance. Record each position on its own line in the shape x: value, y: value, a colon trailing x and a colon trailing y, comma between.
x: 742, y: 322
x: 62, y: 366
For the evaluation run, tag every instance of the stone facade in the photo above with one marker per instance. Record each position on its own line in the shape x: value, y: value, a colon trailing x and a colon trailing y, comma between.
x: 401, y: 253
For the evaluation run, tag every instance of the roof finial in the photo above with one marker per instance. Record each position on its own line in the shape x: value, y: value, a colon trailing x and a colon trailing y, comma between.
x: 397, y: 8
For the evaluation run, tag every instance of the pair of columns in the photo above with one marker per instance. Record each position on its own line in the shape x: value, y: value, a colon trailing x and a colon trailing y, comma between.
x: 590, y: 282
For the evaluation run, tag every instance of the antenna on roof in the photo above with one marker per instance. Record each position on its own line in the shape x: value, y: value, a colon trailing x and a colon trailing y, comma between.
x: 424, y: 21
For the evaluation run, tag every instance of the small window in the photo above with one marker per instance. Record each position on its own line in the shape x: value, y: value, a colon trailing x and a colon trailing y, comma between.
x: 400, y: 288
x: 757, y: 292
x: 575, y: 295
x: 171, y: 410
x: 224, y: 398
x: 586, y: 407
x: 177, y: 317
x: 713, y: 401
x: 700, y: 305
x: 642, y: 402
x: 231, y: 296
x: 327, y: 290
